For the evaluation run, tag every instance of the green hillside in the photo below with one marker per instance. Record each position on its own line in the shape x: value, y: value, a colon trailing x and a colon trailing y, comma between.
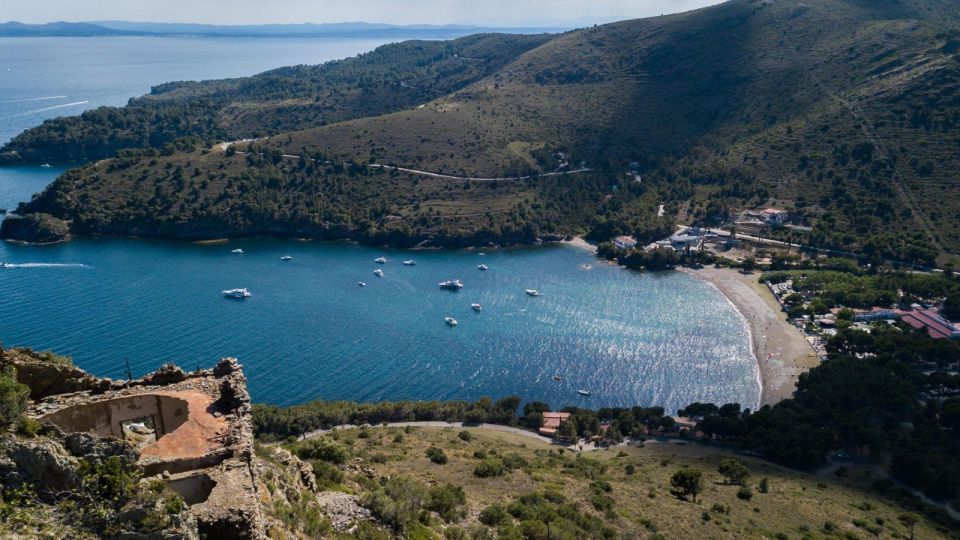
x: 845, y: 111
x: 390, y: 78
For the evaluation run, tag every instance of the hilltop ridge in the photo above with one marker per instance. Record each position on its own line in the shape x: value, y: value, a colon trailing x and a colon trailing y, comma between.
x: 842, y: 111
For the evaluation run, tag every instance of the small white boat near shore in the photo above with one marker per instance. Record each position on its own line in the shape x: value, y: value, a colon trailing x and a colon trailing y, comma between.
x: 286, y: 258
x: 450, y: 321
x: 476, y: 307
x: 452, y: 285
x: 583, y: 392
x: 410, y: 262
x: 532, y: 292
x: 482, y: 267
x: 380, y: 260
x: 237, y: 293
x: 45, y: 166
x: 238, y: 251
x: 362, y: 283
x: 378, y: 272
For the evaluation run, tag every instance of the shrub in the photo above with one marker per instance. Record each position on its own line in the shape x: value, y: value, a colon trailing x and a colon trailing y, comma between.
x: 733, y: 471
x: 488, y: 468
x: 446, y: 501
x: 398, y: 438
x: 396, y: 503
x: 602, y: 503
x: 514, y: 461
x: 745, y: 493
x: 764, y: 486
x: 437, y: 455
x: 479, y: 454
x: 493, y: 515
x: 686, y: 482
x: 323, y: 449
x: 630, y: 469
x: 465, y: 436
x: 326, y: 474
x: 28, y: 427
x: 13, y: 396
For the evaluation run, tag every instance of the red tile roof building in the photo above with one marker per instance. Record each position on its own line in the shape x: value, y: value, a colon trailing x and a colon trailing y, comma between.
x: 551, y: 422
x: 936, y: 326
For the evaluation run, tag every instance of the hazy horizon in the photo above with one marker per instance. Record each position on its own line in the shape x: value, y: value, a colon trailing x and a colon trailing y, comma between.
x: 492, y: 13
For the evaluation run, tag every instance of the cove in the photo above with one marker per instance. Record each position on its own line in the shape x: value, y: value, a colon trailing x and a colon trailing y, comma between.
x: 309, y: 331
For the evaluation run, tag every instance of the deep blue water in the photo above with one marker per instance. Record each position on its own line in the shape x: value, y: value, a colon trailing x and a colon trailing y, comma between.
x: 42, y: 78
x: 309, y: 331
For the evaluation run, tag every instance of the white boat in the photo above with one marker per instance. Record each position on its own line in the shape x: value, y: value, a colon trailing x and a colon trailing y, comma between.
x: 238, y: 251
x: 378, y: 272
x: 237, y: 293
x: 482, y: 267
x: 453, y: 285
x: 583, y: 392
x: 533, y: 292
x: 450, y: 321
x: 286, y: 258
x: 4, y: 265
x: 411, y: 262
x: 45, y: 166
x: 380, y: 260
x: 362, y: 283
x: 476, y: 307
x: 587, y: 267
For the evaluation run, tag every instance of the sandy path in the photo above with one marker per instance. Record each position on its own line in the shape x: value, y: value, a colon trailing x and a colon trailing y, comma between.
x: 781, y: 349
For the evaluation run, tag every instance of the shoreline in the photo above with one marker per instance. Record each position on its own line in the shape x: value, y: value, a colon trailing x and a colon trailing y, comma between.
x: 781, y: 351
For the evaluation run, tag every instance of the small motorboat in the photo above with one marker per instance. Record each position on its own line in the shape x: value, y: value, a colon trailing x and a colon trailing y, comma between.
x: 45, y: 166
x: 4, y: 265
x: 237, y: 293
x: 476, y: 307
x: 362, y: 283
x: 286, y: 258
x: 410, y: 262
x: 533, y: 292
x: 450, y: 321
x: 583, y: 392
x: 482, y: 267
x: 378, y: 272
x: 452, y: 285
x: 557, y: 378
x: 587, y: 267
x: 482, y: 254
x: 380, y: 260
x: 238, y: 251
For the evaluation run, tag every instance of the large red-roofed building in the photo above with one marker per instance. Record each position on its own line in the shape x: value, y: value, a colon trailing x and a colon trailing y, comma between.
x: 928, y: 319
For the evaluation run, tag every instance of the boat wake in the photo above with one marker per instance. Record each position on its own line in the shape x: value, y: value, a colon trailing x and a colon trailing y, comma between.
x: 43, y: 265
x: 31, y: 99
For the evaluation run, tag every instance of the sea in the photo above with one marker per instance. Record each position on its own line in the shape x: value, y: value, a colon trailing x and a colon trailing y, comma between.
x: 309, y: 330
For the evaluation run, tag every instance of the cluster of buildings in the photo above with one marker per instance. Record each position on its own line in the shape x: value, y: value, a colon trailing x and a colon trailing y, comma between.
x: 917, y: 316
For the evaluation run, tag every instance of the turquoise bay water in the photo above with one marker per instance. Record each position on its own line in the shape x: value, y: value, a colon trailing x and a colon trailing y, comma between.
x: 310, y: 331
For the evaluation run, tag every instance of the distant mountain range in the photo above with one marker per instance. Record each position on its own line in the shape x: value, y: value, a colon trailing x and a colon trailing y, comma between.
x: 346, y: 29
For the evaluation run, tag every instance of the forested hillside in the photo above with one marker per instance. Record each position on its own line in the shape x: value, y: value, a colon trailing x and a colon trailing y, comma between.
x: 844, y: 111
x: 387, y: 79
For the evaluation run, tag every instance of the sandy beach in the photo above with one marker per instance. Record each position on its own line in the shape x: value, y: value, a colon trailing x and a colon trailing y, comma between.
x: 781, y: 349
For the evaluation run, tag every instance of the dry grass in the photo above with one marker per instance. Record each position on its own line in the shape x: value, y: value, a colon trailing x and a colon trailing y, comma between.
x: 797, y: 505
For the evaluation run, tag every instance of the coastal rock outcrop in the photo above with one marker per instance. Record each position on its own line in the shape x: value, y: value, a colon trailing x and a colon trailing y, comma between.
x: 35, y: 228
x: 48, y: 374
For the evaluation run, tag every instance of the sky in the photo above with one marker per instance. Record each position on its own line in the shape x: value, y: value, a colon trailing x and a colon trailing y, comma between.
x: 500, y: 13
